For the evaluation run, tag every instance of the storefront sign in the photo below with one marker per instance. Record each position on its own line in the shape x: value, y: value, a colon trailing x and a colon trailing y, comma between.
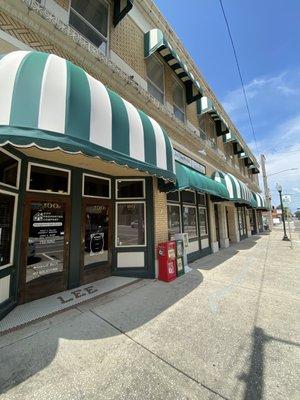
x: 189, y: 162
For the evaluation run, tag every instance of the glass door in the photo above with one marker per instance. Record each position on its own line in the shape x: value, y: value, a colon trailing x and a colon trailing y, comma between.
x: 46, y: 246
x: 96, y: 240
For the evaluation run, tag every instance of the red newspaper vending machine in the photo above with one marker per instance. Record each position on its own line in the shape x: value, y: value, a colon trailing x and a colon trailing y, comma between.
x: 167, y: 261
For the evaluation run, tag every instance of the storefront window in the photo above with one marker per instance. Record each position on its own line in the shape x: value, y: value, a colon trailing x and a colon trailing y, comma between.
x: 7, y: 204
x: 8, y: 169
x: 127, y: 189
x: 190, y: 221
x: 188, y: 197
x: 201, y: 199
x: 91, y: 20
x: 203, y: 221
x: 173, y: 196
x: 96, y: 234
x: 173, y: 220
x: 242, y: 220
x: 44, y: 179
x: 96, y: 187
x: 130, y: 224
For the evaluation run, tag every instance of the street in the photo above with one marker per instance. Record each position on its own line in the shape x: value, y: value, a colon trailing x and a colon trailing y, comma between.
x: 227, y: 330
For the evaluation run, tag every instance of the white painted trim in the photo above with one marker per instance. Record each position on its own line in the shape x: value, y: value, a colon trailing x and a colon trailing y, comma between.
x: 13, y: 234
x: 131, y: 180
x: 47, y: 167
x: 18, y: 169
x: 134, y: 259
x: 116, y: 224
x: 96, y: 177
x: 116, y: 59
x: 13, y: 41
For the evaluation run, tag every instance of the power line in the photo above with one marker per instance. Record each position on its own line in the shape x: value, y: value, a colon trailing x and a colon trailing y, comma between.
x: 240, y: 74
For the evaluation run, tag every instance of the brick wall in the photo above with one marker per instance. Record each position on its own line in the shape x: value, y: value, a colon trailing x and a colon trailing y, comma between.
x: 160, y: 215
x: 191, y: 114
x: 127, y: 40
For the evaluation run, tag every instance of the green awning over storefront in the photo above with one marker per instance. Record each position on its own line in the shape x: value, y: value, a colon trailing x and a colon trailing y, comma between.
x: 188, y: 178
x: 155, y: 41
x: 260, y: 200
x: 48, y: 102
x: 238, y: 191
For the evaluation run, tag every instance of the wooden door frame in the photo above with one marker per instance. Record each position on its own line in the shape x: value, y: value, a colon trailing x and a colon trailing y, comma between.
x: 39, y: 197
x: 97, y: 269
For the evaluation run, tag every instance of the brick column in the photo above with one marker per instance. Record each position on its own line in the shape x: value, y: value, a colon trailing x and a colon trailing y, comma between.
x: 160, y: 219
x: 233, y: 225
x: 248, y: 227
x: 212, y: 224
x: 224, y: 239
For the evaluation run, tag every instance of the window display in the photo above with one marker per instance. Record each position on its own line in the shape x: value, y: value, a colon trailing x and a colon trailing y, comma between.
x: 130, y: 224
x: 190, y: 221
x: 174, y: 225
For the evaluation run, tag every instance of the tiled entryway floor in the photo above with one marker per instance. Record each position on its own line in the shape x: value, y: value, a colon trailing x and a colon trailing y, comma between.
x: 47, y: 306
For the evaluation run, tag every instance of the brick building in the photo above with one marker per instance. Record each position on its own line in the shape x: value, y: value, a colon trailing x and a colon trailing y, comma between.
x: 111, y: 142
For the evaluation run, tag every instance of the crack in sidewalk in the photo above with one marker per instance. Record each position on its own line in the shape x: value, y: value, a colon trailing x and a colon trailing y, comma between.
x: 180, y: 371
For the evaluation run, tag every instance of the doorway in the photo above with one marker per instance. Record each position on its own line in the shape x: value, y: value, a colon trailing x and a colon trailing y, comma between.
x: 45, y: 257
x: 96, y: 250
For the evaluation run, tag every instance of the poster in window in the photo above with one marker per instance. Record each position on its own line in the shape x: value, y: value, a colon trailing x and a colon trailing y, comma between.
x: 46, y: 242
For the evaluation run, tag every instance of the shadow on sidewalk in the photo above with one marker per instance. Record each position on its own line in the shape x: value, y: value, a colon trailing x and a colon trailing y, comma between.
x: 30, y: 350
x: 254, y: 378
x: 214, y: 260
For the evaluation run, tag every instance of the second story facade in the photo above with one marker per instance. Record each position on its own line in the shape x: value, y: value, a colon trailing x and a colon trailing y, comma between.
x: 130, y: 47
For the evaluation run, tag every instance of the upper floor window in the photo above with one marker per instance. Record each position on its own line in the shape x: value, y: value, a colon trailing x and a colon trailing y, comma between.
x: 90, y: 18
x: 155, y: 75
x: 178, y: 101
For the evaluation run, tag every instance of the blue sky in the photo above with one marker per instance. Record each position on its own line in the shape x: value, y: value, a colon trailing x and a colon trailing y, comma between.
x: 266, y: 34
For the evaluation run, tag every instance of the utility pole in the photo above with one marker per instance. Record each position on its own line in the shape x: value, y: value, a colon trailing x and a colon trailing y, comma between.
x: 266, y: 189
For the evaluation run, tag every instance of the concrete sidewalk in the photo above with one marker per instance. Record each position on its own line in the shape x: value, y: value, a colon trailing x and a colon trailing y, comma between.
x: 227, y: 330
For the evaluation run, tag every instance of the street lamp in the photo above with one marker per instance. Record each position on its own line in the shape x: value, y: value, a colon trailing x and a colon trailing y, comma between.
x: 279, y: 188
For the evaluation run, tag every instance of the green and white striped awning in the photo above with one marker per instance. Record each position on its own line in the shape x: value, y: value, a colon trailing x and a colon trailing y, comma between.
x: 155, y: 41
x: 261, y: 202
x: 48, y: 102
x: 238, y: 190
x: 229, y: 137
x: 121, y: 9
x: 205, y: 105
